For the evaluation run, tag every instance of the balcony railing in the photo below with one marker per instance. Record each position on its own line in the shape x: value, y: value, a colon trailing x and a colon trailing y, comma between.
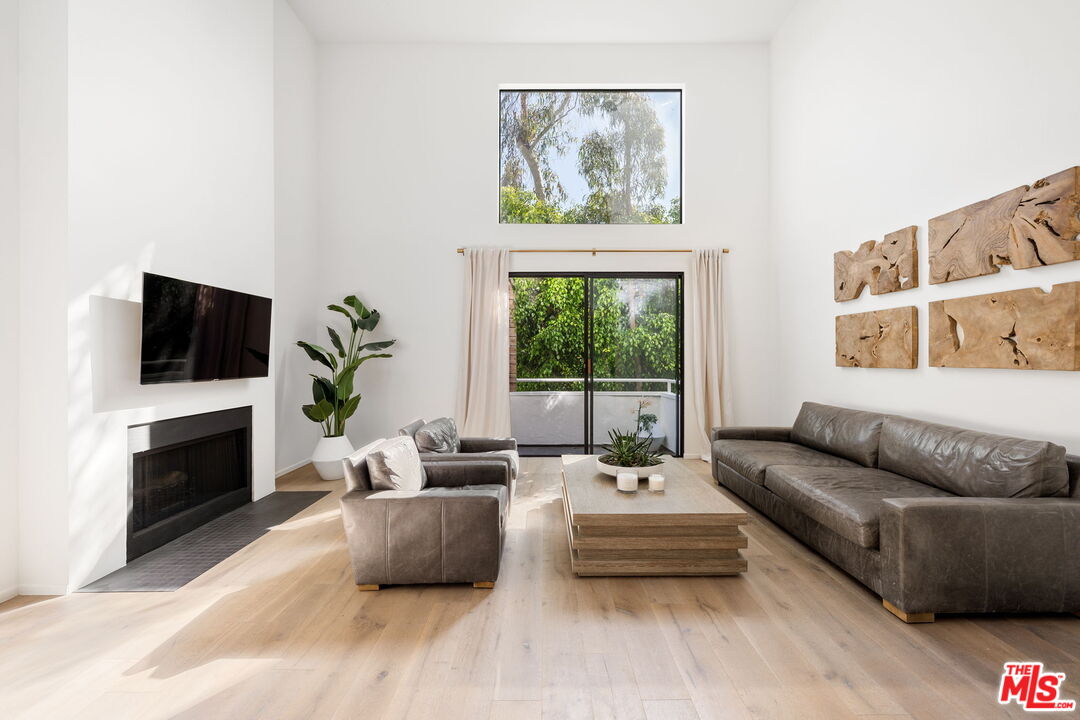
x: 666, y: 382
x: 554, y: 417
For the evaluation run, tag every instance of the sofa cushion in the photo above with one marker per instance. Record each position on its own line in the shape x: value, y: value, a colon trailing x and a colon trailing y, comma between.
x: 510, y: 455
x: 852, y: 434
x: 412, y: 427
x: 847, y: 500
x: 973, y: 464
x: 356, y: 472
x: 750, y: 458
x: 394, y: 464
x: 439, y: 436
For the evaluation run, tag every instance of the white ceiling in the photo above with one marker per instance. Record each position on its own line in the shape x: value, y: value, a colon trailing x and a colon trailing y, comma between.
x: 543, y: 21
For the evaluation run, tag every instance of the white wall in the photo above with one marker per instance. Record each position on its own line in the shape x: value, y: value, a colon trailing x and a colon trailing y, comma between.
x: 9, y: 295
x: 885, y: 115
x: 42, y: 346
x: 298, y: 254
x: 409, y: 172
x: 171, y: 170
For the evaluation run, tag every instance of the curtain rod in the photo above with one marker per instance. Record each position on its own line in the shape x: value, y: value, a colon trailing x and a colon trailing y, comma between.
x: 461, y: 251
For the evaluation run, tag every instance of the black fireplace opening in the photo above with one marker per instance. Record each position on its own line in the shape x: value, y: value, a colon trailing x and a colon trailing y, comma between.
x: 184, y: 472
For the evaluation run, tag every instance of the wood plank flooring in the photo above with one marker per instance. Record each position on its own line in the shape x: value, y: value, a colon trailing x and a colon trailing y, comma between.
x: 279, y: 630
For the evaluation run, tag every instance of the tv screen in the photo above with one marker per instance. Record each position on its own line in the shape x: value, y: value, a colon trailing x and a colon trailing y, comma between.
x: 193, y: 332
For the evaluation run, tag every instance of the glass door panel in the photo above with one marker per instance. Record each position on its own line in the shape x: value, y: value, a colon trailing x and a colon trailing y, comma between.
x: 595, y: 352
x: 636, y: 360
x: 547, y: 364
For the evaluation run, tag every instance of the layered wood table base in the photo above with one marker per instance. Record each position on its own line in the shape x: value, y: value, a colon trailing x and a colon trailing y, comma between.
x: 690, y: 529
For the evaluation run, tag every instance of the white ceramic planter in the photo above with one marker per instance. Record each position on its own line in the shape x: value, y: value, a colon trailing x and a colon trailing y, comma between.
x: 614, y: 470
x: 328, y: 456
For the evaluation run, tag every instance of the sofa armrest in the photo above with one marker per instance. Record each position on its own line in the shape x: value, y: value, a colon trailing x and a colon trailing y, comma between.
x: 968, y: 554
x: 780, y: 434
x: 451, y: 471
x: 476, y: 444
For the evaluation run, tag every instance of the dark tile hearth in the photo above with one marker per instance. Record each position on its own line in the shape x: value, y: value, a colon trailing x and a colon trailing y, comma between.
x: 177, y: 563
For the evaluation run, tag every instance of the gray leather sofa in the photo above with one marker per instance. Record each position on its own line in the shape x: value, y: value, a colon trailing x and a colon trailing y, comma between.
x: 451, y: 531
x: 472, y: 448
x: 933, y: 518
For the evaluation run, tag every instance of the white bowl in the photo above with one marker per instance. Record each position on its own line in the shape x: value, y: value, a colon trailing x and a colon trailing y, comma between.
x: 614, y: 470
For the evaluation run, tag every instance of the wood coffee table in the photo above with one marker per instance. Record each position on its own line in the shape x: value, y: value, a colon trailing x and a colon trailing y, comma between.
x: 689, y: 529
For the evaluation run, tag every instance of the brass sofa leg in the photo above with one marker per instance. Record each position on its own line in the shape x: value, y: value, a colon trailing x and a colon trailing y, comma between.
x: 366, y: 588
x: 484, y: 585
x: 909, y: 618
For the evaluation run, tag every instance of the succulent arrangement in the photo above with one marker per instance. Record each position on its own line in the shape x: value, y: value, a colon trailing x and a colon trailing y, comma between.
x: 628, y: 450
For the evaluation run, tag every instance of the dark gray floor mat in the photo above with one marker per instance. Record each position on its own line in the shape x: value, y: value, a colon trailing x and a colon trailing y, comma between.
x: 177, y: 563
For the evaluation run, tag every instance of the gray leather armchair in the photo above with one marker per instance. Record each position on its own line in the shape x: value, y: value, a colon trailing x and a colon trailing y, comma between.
x: 472, y: 448
x: 451, y: 531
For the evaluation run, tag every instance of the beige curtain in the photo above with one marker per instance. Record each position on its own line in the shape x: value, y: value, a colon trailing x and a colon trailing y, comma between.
x: 709, y: 380
x: 483, y: 408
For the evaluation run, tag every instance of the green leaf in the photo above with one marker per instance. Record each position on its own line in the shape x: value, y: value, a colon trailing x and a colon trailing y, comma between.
x: 323, y: 389
x: 382, y: 345
x: 364, y: 358
x: 314, y: 414
x: 350, y: 406
x: 324, y: 408
x: 338, y: 308
x: 369, y: 321
x: 354, y: 302
x: 345, y: 382
x: 318, y: 354
x: 336, y: 339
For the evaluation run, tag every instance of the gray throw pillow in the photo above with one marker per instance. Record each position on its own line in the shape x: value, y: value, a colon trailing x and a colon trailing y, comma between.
x: 394, y: 464
x: 439, y: 436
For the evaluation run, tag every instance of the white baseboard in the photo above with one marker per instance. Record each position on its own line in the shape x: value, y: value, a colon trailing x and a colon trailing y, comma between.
x: 8, y: 593
x: 42, y: 590
x: 292, y: 467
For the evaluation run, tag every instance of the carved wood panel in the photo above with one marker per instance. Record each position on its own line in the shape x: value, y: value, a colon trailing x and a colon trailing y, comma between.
x: 878, y: 339
x: 1029, y: 226
x: 885, y: 266
x: 1027, y: 329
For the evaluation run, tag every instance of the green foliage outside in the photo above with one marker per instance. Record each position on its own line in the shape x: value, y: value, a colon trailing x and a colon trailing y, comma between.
x: 623, y: 164
x: 634, y: 327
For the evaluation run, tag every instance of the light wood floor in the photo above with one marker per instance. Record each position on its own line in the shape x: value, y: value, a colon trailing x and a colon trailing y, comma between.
x: 280, y: 631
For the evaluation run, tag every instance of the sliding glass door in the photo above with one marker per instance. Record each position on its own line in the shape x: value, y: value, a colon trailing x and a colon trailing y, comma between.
x: 595, y: 352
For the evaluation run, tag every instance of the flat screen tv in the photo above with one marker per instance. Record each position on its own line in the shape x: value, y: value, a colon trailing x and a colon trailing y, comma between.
x: 193, y: 332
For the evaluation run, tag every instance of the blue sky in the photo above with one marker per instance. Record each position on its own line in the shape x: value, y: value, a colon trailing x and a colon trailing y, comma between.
x: 668, y: 111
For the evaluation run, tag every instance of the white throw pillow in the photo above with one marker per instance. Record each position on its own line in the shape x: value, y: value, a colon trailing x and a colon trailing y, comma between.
x: 394, y: 464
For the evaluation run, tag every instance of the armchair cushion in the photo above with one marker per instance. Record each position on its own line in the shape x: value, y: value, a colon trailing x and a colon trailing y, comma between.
x: 412, y: 427
x: 471, y: 471
x: 356, y: 471
x: 439, y: 436
x: 394, y: 464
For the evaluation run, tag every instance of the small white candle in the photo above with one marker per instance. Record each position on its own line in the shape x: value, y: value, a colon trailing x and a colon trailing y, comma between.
x: 656, y: 482
x: 627, y: 482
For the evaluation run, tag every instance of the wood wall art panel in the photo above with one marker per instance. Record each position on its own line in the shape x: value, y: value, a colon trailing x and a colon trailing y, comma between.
x: 878, y: 339
x: 1027, y: 329
x: 886, y: 266
x: 1029, y: 226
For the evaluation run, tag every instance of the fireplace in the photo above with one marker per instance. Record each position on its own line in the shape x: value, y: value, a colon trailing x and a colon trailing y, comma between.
x: 184, y: 472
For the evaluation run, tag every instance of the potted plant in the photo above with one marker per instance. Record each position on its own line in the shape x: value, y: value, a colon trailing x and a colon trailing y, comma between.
x: 334, y: 400
x: 628, y: 453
